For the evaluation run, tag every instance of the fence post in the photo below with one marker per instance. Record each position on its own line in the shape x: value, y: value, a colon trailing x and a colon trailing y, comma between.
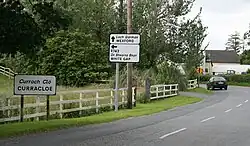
x: 80, y: 104
x: 123, y: 97
x: 170, y: 89
x: 37, y: 107
x: 96, y: 102
x: 177, y: 89
x: 2, y: 102
x: 164, y: 91
x: 147, y: 90
x: 134, y: 96
x: 111, y: 99
x: 61, y: 106
x: 8, y: 104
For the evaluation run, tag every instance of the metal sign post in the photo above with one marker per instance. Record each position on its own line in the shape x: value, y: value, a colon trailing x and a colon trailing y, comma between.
x: 124, y: 48
x: 116, y: 86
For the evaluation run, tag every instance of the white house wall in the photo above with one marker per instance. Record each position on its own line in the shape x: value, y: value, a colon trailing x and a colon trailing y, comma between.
x: 223, y: 67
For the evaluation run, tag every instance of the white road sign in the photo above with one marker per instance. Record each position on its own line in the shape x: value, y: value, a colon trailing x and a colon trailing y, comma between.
x: 34, y: 85
x: 125, y: 39
x: 124, y: 53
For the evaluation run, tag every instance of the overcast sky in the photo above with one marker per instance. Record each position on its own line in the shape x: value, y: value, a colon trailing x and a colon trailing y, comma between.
x: 223, y: 17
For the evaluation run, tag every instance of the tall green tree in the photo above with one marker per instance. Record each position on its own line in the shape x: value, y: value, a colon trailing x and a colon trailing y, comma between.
x: 99, y: 18
x: 18, y: 30
x: 234, y: 42
x: 155, y: 21
x: 49, y: 17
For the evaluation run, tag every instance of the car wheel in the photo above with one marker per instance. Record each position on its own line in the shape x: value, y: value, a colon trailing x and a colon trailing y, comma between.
x: 208, y: 88
x: 226, y: 88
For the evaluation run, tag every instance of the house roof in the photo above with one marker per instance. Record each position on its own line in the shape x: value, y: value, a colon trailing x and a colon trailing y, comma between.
x: 222, y: 56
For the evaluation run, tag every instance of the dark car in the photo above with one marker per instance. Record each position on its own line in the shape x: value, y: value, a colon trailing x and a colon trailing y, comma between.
x: 217, y: 82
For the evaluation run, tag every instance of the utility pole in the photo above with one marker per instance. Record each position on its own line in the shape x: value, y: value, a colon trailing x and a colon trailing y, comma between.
x: 129, y: 65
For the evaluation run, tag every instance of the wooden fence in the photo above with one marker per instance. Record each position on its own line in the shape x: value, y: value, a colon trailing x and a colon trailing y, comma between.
x: 64, y: 102
x: 192, y: 84
x: 163, y: 91
x: 7, y: 72
x: 78, y: 103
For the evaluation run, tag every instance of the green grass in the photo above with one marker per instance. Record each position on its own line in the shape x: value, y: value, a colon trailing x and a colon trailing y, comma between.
x: 5, y: 84
x: 93, y: 86
x: 200, y: 90
x: 15, y: 129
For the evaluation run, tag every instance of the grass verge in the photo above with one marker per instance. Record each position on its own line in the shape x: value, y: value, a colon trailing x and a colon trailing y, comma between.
x: 16, y: 129
x: 201, y: 90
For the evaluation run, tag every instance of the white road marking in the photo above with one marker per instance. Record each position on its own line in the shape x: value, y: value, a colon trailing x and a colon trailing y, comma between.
x: 207, y: 119
x: 228, y: 110
x: 172, y: 133
x: 239, y: 105
x: 246, y: 101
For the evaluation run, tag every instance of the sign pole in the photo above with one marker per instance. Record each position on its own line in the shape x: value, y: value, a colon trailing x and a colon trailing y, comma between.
x: 116, y: 86
x: 129, y: 65
x: 48, y: 106
x: 21, y: 110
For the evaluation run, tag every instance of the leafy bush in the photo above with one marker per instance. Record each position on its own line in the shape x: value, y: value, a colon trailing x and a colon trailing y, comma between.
x: 170, y: 74
x: 163, y: 74
x: 20, y: 63
x: 238, y: 78
x: 191, y: 73
x: 205, y: 78
x: 75, y: 59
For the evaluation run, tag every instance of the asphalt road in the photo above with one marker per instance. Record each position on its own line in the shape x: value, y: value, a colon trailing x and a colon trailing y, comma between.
x: 222, y: 119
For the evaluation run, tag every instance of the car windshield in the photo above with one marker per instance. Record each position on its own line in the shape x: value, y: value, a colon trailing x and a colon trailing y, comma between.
x: 219, y: 79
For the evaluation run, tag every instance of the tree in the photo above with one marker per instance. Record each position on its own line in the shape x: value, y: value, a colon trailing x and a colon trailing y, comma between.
x: 49, y: 17
x: 234, y: 42
x: 18, y: 30
x: 155, y: 20
x: 96, y: 17
x: 245, y: 57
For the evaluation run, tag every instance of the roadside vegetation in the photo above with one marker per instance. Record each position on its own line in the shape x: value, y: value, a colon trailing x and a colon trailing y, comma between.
x: 236, y: 80
x: 200, y: 90
x: 69, y: 39
x: 15, y: 129
x: 243, y: 84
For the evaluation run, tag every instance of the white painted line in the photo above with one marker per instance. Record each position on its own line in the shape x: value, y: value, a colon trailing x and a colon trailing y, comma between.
x: 239, y: 105
x: 228, y: 110
x: 207, y: 119
x: 172, y: 133
x: 246, y: 101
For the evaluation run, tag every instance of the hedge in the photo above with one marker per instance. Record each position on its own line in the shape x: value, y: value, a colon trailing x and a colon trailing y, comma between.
x: 230, y: 78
